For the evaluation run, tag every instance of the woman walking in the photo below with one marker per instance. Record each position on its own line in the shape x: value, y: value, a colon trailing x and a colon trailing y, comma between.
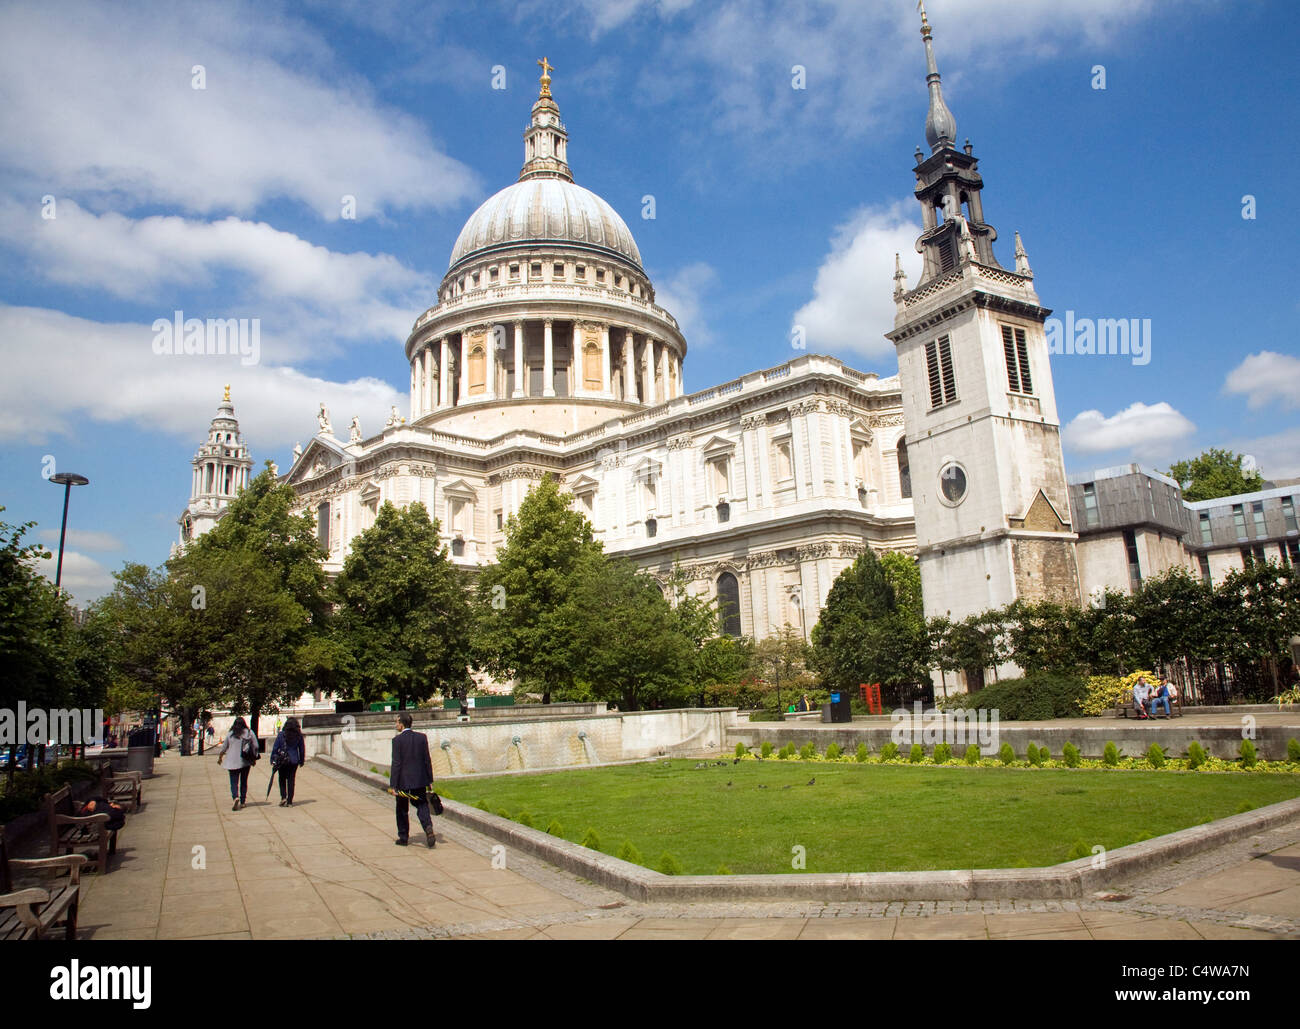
x: 288, y: 754
x: 237, y: 756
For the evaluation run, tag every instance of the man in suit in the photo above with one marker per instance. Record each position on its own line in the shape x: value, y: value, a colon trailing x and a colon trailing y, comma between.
x: 411, y: 773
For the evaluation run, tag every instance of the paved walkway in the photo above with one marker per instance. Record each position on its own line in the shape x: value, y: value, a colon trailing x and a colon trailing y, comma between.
x: 190, y: 868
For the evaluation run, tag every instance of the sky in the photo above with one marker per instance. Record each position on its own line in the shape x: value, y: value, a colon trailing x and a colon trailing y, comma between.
x: 310, y: 165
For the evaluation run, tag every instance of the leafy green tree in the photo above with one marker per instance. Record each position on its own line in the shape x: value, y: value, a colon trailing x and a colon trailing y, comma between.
x: 260, y: 523
x: 623, y: 638
x: 524, y: 628
x: 161, y: 645
x: 34, y: 626
x: 403, y: 615
x: 864, y: 636
x: 781, y: 662
x: 1214, y: 473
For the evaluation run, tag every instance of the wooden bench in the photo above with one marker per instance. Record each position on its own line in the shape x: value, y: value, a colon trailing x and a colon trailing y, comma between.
x: 1125, y: 708
x: 126, y: 789
x: 70, y: 834
x: 29, y: 914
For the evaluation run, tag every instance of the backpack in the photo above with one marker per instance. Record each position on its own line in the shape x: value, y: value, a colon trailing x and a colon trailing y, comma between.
x: 248, y: 749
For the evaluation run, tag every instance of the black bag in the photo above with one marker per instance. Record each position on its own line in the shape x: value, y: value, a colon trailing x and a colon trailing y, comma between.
x: 248, y: 749
x: 436, y: 802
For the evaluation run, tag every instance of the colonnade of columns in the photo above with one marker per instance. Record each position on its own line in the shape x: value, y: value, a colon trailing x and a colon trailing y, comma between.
x: 210, y: 478
x: 496, y: 361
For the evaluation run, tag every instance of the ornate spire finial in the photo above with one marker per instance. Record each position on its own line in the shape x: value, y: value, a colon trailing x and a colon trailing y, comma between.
x: 1022, y: 259
x: 900, y: 278
x: 940, y: 125
x: 547, y: 68
x: 226, y: 398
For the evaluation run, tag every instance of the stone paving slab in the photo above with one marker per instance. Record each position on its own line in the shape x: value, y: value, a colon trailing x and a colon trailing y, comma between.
x: 327, y: 868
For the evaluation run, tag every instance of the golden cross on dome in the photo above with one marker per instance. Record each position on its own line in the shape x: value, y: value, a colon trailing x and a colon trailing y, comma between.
x: 547, y: 68
x: 226, y: 398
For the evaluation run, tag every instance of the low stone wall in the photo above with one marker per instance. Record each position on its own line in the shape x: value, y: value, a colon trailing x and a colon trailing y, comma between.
x: 553, y: 740
x: 1089, y: 735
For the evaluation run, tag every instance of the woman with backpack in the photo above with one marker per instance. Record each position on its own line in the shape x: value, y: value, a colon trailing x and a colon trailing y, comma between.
x: 237, y: 756
x: 288, y: 754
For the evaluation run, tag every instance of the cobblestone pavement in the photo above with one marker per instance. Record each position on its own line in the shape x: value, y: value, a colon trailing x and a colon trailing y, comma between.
x: 188, y: 867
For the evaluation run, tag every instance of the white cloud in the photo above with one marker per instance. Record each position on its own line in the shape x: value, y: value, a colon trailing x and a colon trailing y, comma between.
x: 1277, y: 456
x: 1145, y: 431
x: 734, y: 60
x: 852, y: 304
x: 682, y: 296
x: 105, y: 98
x: 1266, y: 377
x: 62, y: 372
x: 83, y: 577
x: 326, y: 295
x: 87, y: 539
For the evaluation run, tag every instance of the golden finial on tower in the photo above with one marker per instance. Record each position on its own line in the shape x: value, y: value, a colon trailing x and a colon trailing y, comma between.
x: 226, y: 398
x: 547, y: 68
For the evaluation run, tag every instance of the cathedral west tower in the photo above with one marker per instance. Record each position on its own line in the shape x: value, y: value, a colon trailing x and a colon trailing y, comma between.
x: 983, y: 435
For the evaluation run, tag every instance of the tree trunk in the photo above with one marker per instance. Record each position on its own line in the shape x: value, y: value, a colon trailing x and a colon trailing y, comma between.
x: 254, y: 713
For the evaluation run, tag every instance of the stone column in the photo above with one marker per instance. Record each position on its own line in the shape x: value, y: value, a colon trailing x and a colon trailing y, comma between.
x: 464, y: 367
x: 577, y: 364
x: 606, y: 384
x: 629, y: 379
x: 548, y: 362
x: 648, y: 362
x: 430, y: 383
x: 663, y: 370
x: 444, y: 377
x: 490, y: 364
x: 521, y: 373
x: 415, y: 385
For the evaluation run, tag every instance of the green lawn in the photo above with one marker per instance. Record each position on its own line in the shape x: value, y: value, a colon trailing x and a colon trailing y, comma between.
x: 867, y: 818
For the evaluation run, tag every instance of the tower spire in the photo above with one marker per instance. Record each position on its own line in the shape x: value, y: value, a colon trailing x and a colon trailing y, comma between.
x: 546, y: 141
x: 940, y: 125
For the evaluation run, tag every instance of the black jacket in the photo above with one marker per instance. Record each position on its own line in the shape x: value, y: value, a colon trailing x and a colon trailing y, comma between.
x: 412, y: 768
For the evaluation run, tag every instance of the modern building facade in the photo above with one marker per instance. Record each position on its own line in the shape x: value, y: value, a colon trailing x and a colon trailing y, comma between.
x: 1134, y: 524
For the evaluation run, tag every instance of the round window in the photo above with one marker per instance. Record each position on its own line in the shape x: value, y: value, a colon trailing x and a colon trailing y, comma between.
x: 952, y: 483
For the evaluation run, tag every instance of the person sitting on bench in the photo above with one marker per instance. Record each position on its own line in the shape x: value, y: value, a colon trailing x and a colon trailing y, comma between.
x: 1161, y: 697
x: 1141, y: 698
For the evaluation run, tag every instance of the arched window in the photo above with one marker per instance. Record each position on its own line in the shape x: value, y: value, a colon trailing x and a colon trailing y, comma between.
x: 729, y: 603
x: 904, y: 471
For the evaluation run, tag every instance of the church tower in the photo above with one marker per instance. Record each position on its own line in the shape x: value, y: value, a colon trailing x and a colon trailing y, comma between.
x: 222, y: 469
x: 983, y: 436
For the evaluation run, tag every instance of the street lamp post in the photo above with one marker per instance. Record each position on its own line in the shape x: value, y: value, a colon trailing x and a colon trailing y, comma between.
x: 67, y: 480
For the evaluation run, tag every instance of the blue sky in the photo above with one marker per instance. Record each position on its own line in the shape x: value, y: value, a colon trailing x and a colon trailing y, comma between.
x: 775, y: 206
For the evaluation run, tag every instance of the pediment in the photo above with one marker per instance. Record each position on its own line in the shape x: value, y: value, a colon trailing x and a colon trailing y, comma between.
x: 460, y: 489
x: 718, y: 446
x: 320, y: 457
x: 1042, y: 516
x: 583, y: 484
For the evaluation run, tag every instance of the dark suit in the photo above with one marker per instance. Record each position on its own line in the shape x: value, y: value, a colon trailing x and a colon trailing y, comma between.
x: 411, y: 772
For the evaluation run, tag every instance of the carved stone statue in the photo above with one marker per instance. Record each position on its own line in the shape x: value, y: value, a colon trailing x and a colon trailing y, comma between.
x: 297, y: 452
x: 354, y: 433
x: 393, y: 419
x: 324, y: 420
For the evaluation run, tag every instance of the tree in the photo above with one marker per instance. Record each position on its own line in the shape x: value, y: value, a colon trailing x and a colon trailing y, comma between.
x: 1214, y: 473
x: 159, y: 644
x: 864, y: 636
x: 403, y: 615
x: 523, y: 619
x: 260, y: 524
x: 622, y: 637
x: 781, y: 660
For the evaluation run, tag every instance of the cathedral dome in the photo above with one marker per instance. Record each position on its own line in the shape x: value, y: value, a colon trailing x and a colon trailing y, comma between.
x: 545, y: 210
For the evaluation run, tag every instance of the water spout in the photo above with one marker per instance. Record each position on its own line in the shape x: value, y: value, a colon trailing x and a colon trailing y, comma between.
x: 589, y: 749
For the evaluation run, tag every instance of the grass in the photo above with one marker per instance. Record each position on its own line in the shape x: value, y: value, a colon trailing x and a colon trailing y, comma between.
x: 869, y: 818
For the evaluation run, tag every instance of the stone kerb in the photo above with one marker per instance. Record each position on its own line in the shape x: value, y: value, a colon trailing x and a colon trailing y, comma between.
x: 1071, y: 880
